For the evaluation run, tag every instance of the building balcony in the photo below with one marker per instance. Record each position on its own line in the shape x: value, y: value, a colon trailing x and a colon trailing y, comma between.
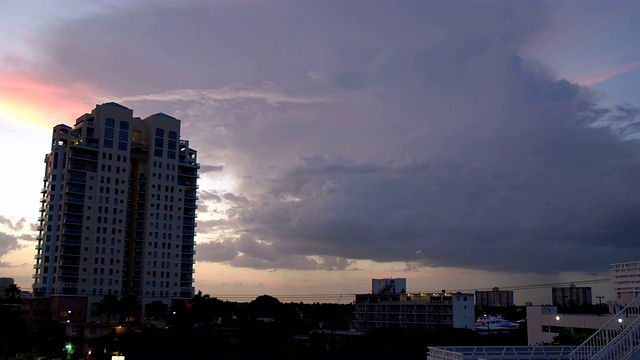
x: 69, y: 241
x: 192, y: 174
x: 81, y: 156
x: 68, y: 274
x: 189, y: 163
x: 66, y: 252
x: 69, y: 231
x: 73, y: 221
x: 88, y: 145
x: 73, y: 210
x: 190, y: 184
x: 74, y: 190
x: 74, y: 200
x: 71, y: 263
x: 76, y: 179
x: 76, y: 167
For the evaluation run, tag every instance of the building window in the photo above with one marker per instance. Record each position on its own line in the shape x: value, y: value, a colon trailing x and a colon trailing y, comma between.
x: 109, y: 130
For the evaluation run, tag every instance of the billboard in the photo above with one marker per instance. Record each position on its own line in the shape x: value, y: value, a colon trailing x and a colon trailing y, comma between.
x: 389, y: 286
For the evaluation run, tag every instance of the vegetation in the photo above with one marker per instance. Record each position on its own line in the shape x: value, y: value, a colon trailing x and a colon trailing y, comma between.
x: 572, y: 337
x: 207, y: 327
x: 12, y: 294
x: 109, y: 305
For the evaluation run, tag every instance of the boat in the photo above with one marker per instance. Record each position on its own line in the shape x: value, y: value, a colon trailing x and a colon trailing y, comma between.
x: 495, y: 323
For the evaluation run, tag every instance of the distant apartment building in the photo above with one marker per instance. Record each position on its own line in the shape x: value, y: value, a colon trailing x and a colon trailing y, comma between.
x: 5, y: 282
x: 420, y: 309
x: 626, y: 281
x: 562, y: 296
x: 118, y: 211
x: 494, y: 297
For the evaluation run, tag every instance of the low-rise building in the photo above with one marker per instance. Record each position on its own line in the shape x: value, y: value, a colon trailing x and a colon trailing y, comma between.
x: 545, y: 323
x: 419, y: 309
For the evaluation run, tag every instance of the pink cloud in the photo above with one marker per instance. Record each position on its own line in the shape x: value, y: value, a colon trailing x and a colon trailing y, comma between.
x: 598, y: 77
x: 28, y: 100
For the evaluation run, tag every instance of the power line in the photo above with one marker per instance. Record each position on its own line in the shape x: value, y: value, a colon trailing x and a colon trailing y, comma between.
x: 347, y: 298
x: 542, y: 286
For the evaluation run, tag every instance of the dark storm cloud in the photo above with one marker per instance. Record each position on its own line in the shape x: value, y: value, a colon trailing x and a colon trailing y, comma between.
x: 387, y: 131
x: 8, y: 243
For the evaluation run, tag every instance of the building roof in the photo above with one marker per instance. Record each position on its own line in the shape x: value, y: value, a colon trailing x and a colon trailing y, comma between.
x: 116, y: 104
x: 164, y: 115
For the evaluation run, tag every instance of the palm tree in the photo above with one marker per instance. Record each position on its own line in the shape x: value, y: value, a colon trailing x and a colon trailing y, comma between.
x: 108, y: 305
x: 130, y: 308
x: 12, y: 294
x: 156, y: 310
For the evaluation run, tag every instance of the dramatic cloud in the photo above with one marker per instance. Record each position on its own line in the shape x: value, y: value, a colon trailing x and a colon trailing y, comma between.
x: 8, y: 243
x: 19, y: 225
x: 384, y: 131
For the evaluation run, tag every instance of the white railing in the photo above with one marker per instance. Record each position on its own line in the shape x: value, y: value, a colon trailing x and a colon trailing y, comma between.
x: 538, y: 352
x: 616, y: 339
x: 442, y: 354
x: 623, y: 346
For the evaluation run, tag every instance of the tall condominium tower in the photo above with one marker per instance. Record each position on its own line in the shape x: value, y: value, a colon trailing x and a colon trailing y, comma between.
x: 118, y: 209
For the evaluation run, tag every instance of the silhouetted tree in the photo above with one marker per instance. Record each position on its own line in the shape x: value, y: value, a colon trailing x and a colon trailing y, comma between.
x: 109, y: 305
x: 155, y: 310
x: 130, y: 308
x: 12, y: 294
x: 265, y: 306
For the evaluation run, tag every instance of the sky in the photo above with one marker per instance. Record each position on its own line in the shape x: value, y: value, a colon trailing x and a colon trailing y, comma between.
x: 458, y: 144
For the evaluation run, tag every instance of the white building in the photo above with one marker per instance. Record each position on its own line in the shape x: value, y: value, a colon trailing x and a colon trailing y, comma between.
x: 118, y: 209
x: 544, y: 323
x: 626, y: 281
